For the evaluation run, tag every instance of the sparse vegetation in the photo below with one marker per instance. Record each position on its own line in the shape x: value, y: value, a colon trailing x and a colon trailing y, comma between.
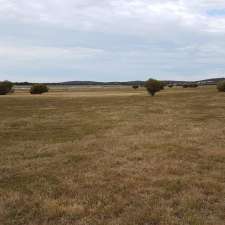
x: 193, y: 85
x: 221, y: 86
x: 190, y: 85
x: 170, y: 85
x: 38, y: 89
x: 112, y: 157
x: 5, y: 87
x: 153, y: 86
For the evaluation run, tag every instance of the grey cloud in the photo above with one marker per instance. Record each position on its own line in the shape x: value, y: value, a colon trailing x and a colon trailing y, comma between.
x: 110, y: 39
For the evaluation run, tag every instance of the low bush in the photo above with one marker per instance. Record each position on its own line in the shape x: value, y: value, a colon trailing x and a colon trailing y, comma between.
x: 135, y: 86
x: 191, y: 85
x: 38, y: 89
x: 5, y: 87
x: 221, y: 86
x: 170, y: 85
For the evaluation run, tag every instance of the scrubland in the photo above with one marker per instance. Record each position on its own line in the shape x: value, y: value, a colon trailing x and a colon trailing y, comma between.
x: 113, y: 156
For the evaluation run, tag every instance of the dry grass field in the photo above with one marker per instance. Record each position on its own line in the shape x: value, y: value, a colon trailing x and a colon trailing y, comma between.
x: 113, y: 157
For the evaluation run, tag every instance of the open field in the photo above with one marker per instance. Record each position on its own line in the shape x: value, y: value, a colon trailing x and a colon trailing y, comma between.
x: 113, y: 156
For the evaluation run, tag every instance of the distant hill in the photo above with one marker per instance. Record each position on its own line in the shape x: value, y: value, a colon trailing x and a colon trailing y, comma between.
x: 140, y: 83
x: 211, y: 81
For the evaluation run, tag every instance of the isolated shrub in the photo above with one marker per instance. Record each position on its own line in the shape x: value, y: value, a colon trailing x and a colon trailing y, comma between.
x: 38, y: 89
x: 135, y: 86
x: 170, y: 85
x: 193, y: 85
x: 5, y: 87
x: 190, y: 85
x: 153, y: 86
x: 221, y: 86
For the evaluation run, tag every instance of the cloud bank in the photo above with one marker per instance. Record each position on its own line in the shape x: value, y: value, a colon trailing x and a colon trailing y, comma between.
x: 55, y: 40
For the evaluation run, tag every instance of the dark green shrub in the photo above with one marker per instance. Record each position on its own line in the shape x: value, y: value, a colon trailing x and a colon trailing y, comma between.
x: 5, y: 87
x: 193, y: 85
x: 153, y: 86
x: 170, y: 85
x: 190, y: 85
x: 38, y: 89
x: 221, y: 86
x: 135, y: 86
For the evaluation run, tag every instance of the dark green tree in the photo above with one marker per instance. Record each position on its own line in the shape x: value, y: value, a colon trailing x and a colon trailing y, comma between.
x: 153, y: 86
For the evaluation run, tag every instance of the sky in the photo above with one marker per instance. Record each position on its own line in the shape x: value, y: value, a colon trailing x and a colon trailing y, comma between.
x: 111, y: 40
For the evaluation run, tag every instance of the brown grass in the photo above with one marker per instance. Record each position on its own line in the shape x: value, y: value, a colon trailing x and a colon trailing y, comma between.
x: 120, y: 158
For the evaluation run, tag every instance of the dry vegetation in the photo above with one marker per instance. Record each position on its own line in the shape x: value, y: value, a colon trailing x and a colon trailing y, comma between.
x: 113, y: 157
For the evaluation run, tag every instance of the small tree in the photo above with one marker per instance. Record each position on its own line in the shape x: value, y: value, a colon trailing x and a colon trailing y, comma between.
x: 38, y: 89
x: 153, y: 86
x: 5, y: 87
x: 221, y: 86
x: 135, y: 86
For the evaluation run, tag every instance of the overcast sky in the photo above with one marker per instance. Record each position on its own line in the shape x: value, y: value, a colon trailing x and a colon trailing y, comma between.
x: 110, y: 40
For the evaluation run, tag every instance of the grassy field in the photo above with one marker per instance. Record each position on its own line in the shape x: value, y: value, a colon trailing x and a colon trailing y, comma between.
x: 113, y: 157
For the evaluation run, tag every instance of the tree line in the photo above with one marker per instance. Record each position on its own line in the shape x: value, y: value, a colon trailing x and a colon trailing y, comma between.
x: 152, y: 86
